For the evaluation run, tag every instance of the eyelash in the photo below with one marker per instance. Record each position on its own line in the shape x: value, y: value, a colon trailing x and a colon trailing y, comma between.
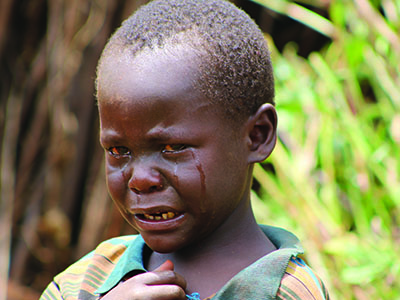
x: 120, y: 151
x: 172, y: 148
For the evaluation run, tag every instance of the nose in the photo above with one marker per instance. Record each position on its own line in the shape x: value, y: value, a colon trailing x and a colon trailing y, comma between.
x: 144, y: 178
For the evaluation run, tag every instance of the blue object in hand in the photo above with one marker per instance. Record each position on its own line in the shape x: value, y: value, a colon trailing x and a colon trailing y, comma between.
x: 194, y: 296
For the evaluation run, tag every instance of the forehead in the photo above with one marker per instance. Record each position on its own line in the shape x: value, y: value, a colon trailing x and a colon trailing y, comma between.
x: 155, y: 86
x: 150, y: 73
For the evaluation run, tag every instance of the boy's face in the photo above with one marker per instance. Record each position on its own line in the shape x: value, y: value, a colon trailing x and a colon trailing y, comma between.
x: 175, y: 167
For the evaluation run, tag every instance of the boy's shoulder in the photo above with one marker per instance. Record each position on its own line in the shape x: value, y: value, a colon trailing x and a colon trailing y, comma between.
x: 281, y: 274
x: 82, y: 279
x: 300, y: 280
x: 105, y: 256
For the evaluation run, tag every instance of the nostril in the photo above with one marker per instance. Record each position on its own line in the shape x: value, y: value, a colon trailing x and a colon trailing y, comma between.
x: 150, y: 189
x: 144, y: 178
x: 155, y: 188
x: 136, y: 190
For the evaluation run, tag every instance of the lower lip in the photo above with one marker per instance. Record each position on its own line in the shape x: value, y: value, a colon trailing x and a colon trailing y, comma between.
x: 160, y: 225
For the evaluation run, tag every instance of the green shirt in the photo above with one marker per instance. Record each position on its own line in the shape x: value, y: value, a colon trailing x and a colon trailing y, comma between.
x: 281, y: 274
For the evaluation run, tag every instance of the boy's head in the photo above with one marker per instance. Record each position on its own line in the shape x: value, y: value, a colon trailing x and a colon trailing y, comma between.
x: 176, y: 166
x: 235, y: 70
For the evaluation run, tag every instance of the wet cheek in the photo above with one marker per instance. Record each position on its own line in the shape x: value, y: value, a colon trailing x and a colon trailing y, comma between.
x: 188, y: 180
x: 199, y: 173
x: 175, y: 176
x: 116, y: 185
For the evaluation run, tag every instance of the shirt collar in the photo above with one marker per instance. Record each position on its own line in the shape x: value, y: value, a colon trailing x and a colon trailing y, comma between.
x: 283, y: 239
x: 287, y: 245
x: 262, y: 279
x: 131, y: 260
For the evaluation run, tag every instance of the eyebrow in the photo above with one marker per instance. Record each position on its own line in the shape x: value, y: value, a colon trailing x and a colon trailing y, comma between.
x: 108, y: 135
x: 162, y: 134
x: 154, y: 135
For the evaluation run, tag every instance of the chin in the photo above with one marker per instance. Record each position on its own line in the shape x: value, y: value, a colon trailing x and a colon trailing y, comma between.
x: 162, y: 244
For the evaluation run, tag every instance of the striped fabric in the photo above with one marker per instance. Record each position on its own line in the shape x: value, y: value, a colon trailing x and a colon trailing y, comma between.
x: 114, y: 259
x: 83, y: 278
x: 300, y: 282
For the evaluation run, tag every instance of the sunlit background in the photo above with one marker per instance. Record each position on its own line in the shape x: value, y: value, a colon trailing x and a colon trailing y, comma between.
x: 333, y: 180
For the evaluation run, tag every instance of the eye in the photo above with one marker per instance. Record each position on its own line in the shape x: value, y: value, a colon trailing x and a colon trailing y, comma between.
x: 119, y: 151
x: 170, y: 148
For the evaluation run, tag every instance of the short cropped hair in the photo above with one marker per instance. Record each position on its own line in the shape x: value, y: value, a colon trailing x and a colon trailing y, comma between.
x: 236, y: 70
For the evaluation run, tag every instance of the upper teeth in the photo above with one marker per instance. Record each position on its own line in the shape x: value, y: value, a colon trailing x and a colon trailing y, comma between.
x: 159, y: 216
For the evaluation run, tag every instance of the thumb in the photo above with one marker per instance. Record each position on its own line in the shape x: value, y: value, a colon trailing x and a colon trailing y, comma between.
x: 166, y: 266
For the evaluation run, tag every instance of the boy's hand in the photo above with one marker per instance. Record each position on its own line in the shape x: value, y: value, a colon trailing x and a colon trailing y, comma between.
x: 161, y: 284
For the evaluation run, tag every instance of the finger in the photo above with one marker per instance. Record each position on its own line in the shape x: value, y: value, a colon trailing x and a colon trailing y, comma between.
x: 166, y: 266
x: 158, y: 278
x: 165, y: 292
x: 131, y: 290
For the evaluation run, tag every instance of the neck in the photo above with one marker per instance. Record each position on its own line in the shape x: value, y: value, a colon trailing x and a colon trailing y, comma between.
x: 236, y: 244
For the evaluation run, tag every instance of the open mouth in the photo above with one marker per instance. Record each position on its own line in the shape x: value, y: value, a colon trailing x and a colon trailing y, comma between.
x: 159, y: 216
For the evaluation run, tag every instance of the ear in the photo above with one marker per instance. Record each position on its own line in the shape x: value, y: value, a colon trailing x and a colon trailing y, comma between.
x: 261, y: 133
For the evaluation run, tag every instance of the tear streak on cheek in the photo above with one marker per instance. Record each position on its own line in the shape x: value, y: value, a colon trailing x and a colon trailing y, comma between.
x: 176, y: 177
x: 202, y: 181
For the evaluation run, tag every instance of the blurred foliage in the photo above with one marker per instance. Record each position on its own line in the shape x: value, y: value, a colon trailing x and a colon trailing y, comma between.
x: 54, y: 205
x: 334, y: 177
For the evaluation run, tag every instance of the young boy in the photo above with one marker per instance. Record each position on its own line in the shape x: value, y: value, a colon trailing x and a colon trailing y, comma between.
x: 185, y: 92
